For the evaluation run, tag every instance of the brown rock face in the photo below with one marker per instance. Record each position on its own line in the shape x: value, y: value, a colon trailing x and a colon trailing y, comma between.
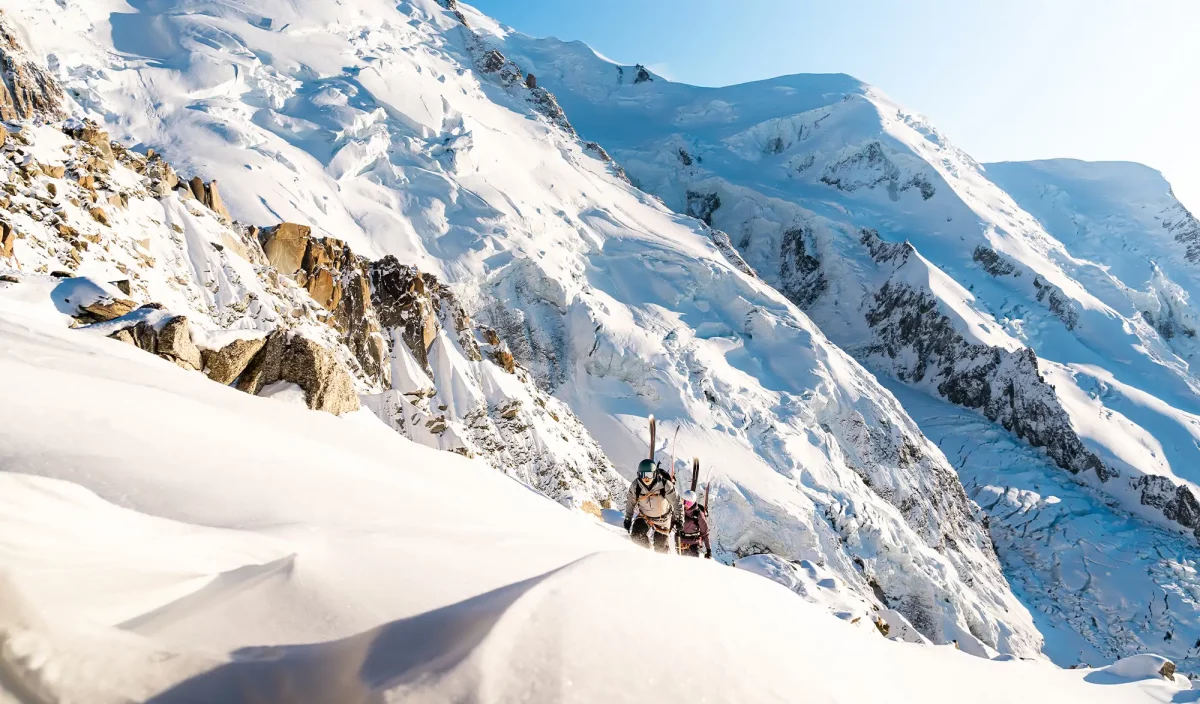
x: 108, y: 309
x: 90, y: 133
x: 225, y: 365
x: 173, y: 341
x: 335, y: 278
x: 7, y: 237
x: 285, y: 245
x: 209, y: 195
x: 26, y: 89
x: 327, y: 385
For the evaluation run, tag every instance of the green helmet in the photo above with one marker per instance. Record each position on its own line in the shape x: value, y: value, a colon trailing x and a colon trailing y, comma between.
x: 646, y: 470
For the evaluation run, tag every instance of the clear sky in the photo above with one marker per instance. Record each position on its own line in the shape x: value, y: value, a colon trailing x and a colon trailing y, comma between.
x: 1003, y: 79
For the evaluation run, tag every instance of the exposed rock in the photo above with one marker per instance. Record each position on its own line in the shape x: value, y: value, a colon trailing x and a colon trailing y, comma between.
x: 402, y: 302
x: 337, y: 280
x: 530, y: 81
x: 225, y: 365
x: 122, y: 285
x: 265, y: 367
x: 8, y: 236
x: 642, y: 74
x: 1167, y: 670
x: 209, y: 195
x: 1058, y: 302
x: 301, y: 361
x: 27, y: 90
x: 285, y: 246
x: 174, y: 343
x: 90, y: 133
x: 869, y: 168
x: 920, y: 342
x: 703, y: 205
x: 800, y: 271
x: 993, y: 262
x: 106, y: 309
x: 1177, y: 502
x: 327, y: 385
x: 171, y: 340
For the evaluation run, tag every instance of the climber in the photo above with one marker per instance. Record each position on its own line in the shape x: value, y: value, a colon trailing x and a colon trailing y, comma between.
x: 695, y: 527
x: 652, y: 494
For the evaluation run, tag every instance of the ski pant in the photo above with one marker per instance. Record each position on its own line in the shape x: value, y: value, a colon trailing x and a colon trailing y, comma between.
x: 642, y: 534
x: 692, y: 550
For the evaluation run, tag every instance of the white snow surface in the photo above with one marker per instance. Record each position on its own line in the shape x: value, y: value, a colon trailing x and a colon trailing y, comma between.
x: 168, y: 539
x: 370, y: 121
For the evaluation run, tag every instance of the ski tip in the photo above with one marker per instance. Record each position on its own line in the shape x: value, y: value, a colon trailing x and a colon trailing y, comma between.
x: 651, y: 417
x: 696, y: 460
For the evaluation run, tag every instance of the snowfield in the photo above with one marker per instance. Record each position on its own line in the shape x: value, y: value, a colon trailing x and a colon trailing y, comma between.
x: 349, y: 415
x: 308, y: 558
x: 397, y: 130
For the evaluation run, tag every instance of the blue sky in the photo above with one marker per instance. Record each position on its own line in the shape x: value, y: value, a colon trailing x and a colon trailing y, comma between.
x: 1004, y: 79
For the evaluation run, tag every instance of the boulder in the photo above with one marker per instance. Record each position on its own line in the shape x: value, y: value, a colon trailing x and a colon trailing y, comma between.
x: 285, y: 246
x: 107, y: 309
x: 175, y: 344
x: 326, y: 383
x: 296, y: 359
x: 214, y: 202
x: 225, y: 365
x: 8, y: 236
x: 171, y: 340
x: 264, y: 367
x: 90, y: 133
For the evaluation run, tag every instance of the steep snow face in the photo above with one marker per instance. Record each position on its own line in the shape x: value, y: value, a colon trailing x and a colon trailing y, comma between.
x: 1124, y: 217
x: 1101, y: 582
x: 818, y: 197
x: 397, y: 130
x: 144, y: 561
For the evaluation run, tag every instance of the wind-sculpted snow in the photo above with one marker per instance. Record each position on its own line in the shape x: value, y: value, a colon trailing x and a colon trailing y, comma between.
x: 393, y: 130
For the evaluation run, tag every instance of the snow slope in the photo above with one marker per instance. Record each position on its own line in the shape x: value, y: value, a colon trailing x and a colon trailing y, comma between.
x: 1051, y: 297
x: 819, y: 179
x: 136, y: 567
x: 399, y: 131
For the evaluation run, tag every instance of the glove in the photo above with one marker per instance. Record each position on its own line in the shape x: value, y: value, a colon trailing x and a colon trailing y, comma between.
x: 708, y: 555
x: 628, y: 525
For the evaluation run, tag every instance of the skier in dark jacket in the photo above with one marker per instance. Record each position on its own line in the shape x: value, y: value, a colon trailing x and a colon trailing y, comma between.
x: 695, y: 527
x: 659, y: 511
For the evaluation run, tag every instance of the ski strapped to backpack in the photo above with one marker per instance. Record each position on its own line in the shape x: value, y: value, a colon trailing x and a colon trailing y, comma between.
x: 695, y: 472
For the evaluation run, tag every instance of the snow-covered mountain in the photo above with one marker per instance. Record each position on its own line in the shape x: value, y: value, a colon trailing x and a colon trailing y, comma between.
x: 383, y: 206
x: 1054, y: 298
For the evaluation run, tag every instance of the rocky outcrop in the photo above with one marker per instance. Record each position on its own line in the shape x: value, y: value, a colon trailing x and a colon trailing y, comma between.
x: 105, y: 309
x: 702, y: 206
x: 641, y: 75
x: 993, y: 262
x: 27, y: 90
x: 170, y: 339
x: 8, y: 237
x: 209, y: 195
x: 870, y: 168
x: 336, y: 279
x: 921, y: 344
x: 403, y: 303
x: 800, y: 271
x: 298, y: 360
x: 225, y: 365
x: 1057, y: 302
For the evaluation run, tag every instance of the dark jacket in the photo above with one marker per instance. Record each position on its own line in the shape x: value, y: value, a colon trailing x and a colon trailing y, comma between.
x: 695, y: 526
x: 658, y: 503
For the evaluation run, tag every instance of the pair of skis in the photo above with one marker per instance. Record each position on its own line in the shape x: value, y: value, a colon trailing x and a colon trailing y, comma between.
x: 695, y: 460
